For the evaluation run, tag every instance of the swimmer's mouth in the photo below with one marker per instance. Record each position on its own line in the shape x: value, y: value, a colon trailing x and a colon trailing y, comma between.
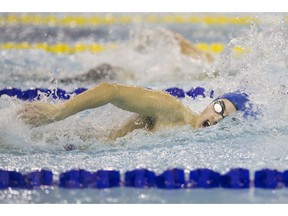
x: 205, y: 124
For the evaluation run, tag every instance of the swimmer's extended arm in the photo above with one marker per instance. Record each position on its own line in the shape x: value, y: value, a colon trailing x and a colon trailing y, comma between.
x: 188, y: 49
x: 156, y: 104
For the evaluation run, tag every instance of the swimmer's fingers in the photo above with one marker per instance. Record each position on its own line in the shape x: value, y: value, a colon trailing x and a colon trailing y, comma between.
x: 25, y: 110
x: 29, y: 115
x: 29, y: 118
x: 36, y: 114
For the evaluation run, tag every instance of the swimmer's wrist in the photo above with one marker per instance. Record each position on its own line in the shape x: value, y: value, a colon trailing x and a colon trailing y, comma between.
x: 64, y: 111
x: 61, y: 114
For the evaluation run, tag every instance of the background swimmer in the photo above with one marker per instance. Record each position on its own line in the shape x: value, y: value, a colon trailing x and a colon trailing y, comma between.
x: 153, y: 109
x: 145, y: 42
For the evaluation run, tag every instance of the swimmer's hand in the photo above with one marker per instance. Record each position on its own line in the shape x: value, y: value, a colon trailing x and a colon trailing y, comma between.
x: 39, y: 113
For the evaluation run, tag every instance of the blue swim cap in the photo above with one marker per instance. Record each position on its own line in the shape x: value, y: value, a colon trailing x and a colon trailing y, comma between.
x: 241, y: 102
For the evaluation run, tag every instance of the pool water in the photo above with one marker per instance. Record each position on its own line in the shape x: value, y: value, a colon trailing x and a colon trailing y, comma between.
x: 253, y: 144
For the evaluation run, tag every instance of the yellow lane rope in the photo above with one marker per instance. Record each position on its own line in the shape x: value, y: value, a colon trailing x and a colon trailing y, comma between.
x: 63, y: 48
x: 59, y: 47
x: 80, y: 21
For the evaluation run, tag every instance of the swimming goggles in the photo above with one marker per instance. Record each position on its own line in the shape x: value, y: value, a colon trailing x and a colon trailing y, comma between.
x: 219, y: 108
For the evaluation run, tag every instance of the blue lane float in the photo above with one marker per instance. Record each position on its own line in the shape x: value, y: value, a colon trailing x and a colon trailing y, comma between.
x: 269, y: 179
x: 83, y: 179
x: 4, y: 179
x: 108, y: 178
x: 39, y: 93
x: 171, y: 179
x: 285, y: 178
x: 39, y: 178
x: 13, y: 179
x: 238, y: 178
x: 204, y: 178
x: 140, y: 178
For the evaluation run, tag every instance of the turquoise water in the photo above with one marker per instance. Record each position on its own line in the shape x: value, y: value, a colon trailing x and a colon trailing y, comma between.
x: 252, y: 144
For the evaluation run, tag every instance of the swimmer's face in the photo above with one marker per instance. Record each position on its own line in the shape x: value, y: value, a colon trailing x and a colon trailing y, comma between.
x: 215, y: 112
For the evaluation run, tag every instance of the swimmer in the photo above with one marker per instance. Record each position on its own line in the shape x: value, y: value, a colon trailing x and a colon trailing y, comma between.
x: 153, y: 109
x: 107, y: 72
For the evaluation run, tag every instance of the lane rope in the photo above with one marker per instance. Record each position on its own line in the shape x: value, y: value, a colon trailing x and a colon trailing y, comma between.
x: 237, y: 178
x: 110, y: 19
x: 39, y: 93
x: 64, y: 48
